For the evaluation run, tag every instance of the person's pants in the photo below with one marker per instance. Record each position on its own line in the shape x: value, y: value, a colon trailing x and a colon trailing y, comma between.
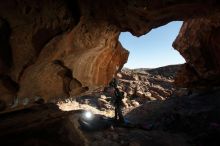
x: 118, y: 114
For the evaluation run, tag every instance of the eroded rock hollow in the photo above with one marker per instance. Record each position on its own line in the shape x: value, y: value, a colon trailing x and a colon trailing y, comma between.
x: 61, y: 48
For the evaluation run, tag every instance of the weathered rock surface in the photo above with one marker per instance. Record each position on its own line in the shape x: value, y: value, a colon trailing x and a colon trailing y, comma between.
x: 49, y: 50
x: 149, y: 83
x: 197, y: 42
x: 139, y: 87
x: 71, y: 65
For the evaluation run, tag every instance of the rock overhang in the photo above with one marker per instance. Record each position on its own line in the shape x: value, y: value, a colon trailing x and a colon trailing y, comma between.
x: 64, y: 48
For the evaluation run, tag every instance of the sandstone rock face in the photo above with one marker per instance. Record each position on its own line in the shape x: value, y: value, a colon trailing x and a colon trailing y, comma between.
x: 140, y: 16
x: 198, y: 43
x: 62, y: 48
x: 48, y: 50
x: 75, y: 62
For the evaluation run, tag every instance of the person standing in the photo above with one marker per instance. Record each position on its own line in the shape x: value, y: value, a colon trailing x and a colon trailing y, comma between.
x: 118, y: 101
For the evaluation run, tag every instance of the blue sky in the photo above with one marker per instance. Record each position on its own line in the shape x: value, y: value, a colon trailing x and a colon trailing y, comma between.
x: 153, y: 49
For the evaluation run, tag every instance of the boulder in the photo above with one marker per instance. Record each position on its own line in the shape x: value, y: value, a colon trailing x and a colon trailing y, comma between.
x: 156, y: 95
x: 134, y: 103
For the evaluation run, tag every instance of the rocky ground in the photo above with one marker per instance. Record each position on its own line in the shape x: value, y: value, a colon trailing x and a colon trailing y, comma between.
x: 179, y: 121
x: 157, y: 114
x: 140, y: 86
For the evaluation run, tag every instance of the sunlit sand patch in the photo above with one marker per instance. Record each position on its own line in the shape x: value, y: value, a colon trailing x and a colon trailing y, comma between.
x: 73, y: 105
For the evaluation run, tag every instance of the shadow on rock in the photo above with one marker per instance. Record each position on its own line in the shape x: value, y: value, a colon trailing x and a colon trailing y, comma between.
x: 196, y: 117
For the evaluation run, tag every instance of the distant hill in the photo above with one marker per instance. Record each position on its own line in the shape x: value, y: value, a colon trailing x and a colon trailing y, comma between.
x: 166, y: 71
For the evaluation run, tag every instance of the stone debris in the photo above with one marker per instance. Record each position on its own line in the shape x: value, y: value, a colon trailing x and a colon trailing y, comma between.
x: 139, y: 86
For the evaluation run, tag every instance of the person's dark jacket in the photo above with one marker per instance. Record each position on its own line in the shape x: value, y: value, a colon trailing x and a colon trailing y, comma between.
x: 118, y: 97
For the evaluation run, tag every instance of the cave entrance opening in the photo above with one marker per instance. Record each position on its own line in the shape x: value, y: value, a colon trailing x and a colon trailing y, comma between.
x: 153, y: 49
